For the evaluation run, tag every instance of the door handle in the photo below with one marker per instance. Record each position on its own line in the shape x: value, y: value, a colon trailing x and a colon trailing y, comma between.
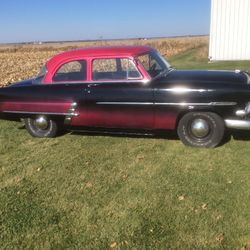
x: 91, y: 85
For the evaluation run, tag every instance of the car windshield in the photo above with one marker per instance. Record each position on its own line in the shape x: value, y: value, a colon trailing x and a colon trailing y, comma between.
x: 154, y: 63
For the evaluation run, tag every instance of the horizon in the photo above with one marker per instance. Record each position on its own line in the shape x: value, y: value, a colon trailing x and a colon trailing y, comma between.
x: 59, y: 21
x: 96, y: 40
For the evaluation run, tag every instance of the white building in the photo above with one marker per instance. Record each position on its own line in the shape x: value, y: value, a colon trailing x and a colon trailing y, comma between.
x: 230, y: 30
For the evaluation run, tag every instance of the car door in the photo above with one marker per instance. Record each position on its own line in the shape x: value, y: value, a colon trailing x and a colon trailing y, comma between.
x: 118, y: 96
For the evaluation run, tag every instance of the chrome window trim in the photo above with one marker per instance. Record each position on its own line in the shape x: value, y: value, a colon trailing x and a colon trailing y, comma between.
x: 121, y: 81
x: 99, y: 82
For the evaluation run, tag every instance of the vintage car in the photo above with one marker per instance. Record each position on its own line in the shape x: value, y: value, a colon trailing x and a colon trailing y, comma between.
x: 129, y: 87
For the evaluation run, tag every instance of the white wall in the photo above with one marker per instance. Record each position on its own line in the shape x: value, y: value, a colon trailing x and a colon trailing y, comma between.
x: 230, y: 30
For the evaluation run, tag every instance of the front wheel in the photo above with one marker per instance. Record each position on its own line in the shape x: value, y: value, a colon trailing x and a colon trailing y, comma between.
x: 201, y: 129
x: 41, y: 126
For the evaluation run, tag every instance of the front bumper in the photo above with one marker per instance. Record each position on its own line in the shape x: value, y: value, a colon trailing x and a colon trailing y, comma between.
x: 238, y: 124
x: 243, y: 124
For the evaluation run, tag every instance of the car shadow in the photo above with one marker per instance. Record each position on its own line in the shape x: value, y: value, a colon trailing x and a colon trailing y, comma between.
x: 169, y: 135
x: 241, y: 135
x: 21, y: 127
x: 129, y: 134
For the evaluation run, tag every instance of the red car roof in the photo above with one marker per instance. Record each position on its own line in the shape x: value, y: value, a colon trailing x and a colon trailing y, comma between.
x: 93, y: 52
x: 101, y: 51
x: 110, y: 51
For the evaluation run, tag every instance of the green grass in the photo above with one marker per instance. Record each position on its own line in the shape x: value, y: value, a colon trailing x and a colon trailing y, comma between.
x: 191, y: 60
x: 98, y: 192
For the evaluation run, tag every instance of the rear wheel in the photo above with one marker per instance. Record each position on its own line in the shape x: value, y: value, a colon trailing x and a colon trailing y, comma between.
x: 41, y: 126
x: 201, y: 129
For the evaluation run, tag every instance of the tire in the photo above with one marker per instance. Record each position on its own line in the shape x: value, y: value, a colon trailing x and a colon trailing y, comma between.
x: 201, y: 129
x: 48, y: 130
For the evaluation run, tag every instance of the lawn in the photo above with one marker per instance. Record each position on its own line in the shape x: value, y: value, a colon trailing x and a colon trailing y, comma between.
x: 81, y: 191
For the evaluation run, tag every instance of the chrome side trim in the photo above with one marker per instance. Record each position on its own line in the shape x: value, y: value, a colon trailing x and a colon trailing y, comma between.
x: 34, y: 113
x: 71, y: 113
x: 223, y: 103
x: 125, y: 103
x: 182, y: 90
x: 238, y: 124
x: 199, y: 104
x: 170, y: 103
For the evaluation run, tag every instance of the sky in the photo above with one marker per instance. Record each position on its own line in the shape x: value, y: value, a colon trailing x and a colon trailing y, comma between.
x: 60, y: 20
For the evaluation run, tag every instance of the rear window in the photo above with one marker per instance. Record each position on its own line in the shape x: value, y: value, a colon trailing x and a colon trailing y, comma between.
x: 71, y: 72
x: 114, y: 69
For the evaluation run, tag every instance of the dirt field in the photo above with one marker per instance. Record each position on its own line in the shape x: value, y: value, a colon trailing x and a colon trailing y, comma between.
x: 18, y: 62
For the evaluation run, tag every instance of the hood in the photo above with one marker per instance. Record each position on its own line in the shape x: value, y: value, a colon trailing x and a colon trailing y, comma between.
x: 207, y: 76
x: 22, y: 83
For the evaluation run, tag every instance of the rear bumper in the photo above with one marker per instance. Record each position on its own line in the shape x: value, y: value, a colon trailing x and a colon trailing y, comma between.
x: 238, y: 124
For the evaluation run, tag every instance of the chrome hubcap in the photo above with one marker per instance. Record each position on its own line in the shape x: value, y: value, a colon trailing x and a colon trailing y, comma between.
x: 41, y: 122
x: 199, y: 128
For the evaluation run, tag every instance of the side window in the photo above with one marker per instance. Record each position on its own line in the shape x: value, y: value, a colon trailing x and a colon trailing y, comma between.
x: 71, y: 72
x: 151, y: 64
x: 114, y: 69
